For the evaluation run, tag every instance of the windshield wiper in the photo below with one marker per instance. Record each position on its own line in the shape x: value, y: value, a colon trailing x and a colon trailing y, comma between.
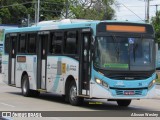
x: 134, y: 51
x: 116, y: 47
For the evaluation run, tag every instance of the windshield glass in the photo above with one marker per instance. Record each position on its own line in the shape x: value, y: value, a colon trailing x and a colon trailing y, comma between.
x: 117, y: 53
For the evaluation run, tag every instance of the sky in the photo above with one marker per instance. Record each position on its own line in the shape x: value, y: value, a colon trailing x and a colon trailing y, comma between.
x: 136, y: 6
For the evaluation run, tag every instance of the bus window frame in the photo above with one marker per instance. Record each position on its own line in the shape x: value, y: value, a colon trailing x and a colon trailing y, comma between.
x: 78, y: 36
x: 54, y: 39
x: 28, y: 42
x: 7, y: 51
x: 76, y: 42
x: 19, y: 39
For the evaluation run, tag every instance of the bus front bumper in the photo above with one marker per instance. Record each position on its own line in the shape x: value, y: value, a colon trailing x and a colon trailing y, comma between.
x: 101, y: 92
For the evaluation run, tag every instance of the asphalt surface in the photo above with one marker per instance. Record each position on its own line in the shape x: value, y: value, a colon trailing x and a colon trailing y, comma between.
x: 12, y: 100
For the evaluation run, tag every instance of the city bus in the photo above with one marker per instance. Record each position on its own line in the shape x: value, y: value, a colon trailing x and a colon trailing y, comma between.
x: 82, y: 59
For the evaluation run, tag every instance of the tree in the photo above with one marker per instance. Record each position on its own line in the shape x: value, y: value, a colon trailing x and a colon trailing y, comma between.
x: 51, y: 9
x: 91, y: 9
x: 156, y: 24
x: 13, y: 11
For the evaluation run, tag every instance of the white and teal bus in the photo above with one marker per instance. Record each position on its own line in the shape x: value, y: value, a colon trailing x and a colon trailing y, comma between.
x: 82, y: 59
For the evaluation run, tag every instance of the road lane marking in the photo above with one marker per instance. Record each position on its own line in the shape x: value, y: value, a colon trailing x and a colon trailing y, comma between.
x: 7, y: 105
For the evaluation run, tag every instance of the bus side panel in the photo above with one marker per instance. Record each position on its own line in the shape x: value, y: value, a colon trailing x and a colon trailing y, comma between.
x: 5, y: 68
x: 29, y: 65
x: 58, y: 69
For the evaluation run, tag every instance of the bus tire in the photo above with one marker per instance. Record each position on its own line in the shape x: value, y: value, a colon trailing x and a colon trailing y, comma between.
x: 73, y: 98
x: 123, y: 103
x: 25, y: 86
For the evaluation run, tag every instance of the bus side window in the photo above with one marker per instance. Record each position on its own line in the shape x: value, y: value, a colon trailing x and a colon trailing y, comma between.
x: 58, y: 42
x: 32, y: 43
x: 52, y: 47
x: 7, y: 44
x: 70, y: 42
x: 22, y: 43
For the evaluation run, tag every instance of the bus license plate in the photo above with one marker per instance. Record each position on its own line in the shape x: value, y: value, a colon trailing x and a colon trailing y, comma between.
x: 129, y: 93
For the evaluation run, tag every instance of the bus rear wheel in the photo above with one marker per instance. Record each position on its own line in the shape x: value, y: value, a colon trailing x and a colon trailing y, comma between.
x: 25, y: 86
x: 123, y: 103
x: 73, y: 98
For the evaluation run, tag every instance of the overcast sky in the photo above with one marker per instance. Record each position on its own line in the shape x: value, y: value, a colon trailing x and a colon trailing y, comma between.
x: 136, y: 6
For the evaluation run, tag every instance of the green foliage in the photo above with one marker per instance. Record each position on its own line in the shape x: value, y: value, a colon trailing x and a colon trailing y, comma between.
x: 5, y: 15
x: 156, y: 24
x: 16, y: 10
x: 91, y: 9
x: 51, y: 9
x: 21, y: 8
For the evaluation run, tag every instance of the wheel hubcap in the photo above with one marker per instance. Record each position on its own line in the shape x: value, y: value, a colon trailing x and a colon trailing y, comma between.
x: 73, y: 93
x: 25, y: 86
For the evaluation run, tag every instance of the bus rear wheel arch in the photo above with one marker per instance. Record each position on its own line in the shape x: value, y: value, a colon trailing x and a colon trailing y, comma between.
x: 124, y: 103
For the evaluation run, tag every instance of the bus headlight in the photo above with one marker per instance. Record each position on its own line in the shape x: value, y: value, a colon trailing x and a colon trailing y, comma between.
x: 98, y: 81
x: 151, y: 84
x: 104, y: 84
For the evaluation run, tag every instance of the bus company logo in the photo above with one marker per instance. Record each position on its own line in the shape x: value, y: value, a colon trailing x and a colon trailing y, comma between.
x: 6, y: 114
x: 129, y: 78
x: 120, y: 84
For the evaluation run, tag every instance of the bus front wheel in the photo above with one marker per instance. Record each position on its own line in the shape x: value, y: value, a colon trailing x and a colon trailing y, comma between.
x: 25, y: 86
x: 123, y: 103
x: 73, y: 98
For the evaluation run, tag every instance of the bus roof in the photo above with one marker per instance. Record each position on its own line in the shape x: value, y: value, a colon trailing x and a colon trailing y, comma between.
x: 65, y: 24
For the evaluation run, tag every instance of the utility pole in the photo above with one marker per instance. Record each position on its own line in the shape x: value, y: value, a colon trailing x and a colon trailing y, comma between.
x: 38, y: 11
x: 67, y: 9
x: 156, y: 8
x: 35, y: 12
x: 148, y: 2
x: 28, y: 21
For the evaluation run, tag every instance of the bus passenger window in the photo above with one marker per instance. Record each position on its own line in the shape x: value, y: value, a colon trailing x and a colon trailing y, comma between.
x: 6, y: 44
x: 51, y: 47
x: 32, y: 43
x: 22, y: 44
x: 56, y: 43
x: 70, y: 42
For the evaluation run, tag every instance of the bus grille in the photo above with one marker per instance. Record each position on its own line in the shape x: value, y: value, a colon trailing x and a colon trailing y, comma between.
x: 128, y: 75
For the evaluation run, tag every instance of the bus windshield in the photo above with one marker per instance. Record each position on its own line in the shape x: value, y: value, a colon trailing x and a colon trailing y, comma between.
x: 123, y: 53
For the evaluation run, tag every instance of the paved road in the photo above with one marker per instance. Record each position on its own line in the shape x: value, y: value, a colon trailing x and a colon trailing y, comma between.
x: 12, y: 100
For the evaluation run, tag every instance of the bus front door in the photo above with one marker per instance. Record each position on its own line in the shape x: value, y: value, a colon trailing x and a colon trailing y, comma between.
x: 12, y: 58
x: 42, y: 60
x: 85, y: 62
